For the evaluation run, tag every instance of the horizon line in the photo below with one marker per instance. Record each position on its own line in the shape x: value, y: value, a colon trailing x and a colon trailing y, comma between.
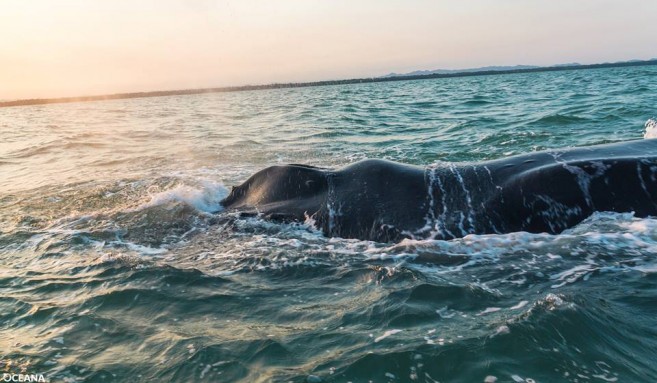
x: 366, y: 80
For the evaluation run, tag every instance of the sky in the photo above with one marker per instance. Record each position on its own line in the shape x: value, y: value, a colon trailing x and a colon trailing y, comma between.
x: 57, y: 48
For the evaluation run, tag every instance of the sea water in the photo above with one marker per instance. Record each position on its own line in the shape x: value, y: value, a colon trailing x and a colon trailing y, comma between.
x: 118, y: 265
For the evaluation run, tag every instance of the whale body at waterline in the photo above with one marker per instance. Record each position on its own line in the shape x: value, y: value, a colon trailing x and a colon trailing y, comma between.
x: 381, y: 200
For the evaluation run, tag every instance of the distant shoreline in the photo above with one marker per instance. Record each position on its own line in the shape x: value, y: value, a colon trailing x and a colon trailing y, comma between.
x: 119, y: 96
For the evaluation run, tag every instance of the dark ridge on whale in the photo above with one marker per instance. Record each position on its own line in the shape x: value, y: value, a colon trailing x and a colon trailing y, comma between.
x: 386, y: 201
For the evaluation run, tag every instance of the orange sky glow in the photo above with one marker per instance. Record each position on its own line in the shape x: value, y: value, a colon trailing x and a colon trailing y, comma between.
x: 81, y: 47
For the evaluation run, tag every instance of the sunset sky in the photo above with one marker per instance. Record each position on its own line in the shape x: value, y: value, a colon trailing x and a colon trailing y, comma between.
x: 53, y: 48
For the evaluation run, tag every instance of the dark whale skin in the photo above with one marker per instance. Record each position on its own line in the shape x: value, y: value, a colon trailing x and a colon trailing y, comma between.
x: 386, y: 201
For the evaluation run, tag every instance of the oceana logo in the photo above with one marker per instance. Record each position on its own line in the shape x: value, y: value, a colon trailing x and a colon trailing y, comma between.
x: 23, y: 378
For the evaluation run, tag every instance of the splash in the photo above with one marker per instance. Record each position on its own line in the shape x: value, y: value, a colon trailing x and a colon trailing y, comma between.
x: 205, y: 199
x: 651, y: 128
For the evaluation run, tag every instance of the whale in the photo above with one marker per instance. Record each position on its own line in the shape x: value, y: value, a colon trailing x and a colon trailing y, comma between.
x: 385, y: 201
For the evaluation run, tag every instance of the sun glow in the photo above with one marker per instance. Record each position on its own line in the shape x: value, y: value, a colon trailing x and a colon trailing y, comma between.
x: 76, y: 47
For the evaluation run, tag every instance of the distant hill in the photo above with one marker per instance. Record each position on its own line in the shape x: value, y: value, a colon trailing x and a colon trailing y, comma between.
x: 501, y: 69
x: 468, y: 70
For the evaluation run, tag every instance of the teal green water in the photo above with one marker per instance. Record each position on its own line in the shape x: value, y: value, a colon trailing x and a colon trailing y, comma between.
x: 117, y: 265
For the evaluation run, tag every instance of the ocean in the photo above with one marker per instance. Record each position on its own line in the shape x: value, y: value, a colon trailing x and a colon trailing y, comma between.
x: 117, y: 263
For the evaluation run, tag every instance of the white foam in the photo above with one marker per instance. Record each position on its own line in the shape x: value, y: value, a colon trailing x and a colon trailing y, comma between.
x: 603, y: 232
x: 648, y: 269
x: 631, y: 240
x: 490, y: 310
x: 502, y: 330
x: 146, y: 250
x: 386, y: 334
x: 573, y: 274
x: 205, y: 370
x: 520, y: 305
x: 651, y: 128
x: 551, y: 302
x: 205, y: 199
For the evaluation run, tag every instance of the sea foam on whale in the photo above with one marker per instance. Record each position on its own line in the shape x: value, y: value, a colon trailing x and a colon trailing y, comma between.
x: 651, y: 128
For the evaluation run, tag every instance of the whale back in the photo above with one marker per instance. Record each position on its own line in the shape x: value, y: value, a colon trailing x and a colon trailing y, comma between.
x: 380, y: 200
x: 288, y: 192
x: 557, y: 196
x: 375, y: 199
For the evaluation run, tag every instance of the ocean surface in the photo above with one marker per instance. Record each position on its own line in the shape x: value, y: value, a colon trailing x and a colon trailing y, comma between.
x: 118, y: 265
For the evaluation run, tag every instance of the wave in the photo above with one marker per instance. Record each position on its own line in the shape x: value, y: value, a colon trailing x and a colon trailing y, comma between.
x: 134, y: 217
x: 559, y: 119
